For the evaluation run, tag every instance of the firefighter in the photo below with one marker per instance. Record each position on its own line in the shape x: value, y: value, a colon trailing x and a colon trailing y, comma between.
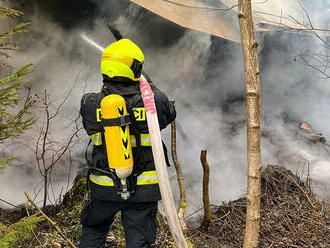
x: 121, y: 67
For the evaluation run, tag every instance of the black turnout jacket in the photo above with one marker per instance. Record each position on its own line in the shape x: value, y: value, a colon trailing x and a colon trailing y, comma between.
x: 143, y: 159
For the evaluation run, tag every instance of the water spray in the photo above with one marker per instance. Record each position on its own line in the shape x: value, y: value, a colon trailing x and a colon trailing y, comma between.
x: 91, y: 42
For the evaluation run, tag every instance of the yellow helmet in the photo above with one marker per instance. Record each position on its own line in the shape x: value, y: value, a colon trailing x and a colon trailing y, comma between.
x: 122, y: 58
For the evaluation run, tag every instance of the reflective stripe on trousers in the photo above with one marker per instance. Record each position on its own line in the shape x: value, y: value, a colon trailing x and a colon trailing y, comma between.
x: 146, y: 178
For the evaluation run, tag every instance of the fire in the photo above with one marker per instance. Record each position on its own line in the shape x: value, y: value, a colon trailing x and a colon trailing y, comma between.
x: 306, y: 127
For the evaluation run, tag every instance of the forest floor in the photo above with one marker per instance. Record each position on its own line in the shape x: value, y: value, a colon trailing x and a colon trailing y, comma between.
x: 291, y: 216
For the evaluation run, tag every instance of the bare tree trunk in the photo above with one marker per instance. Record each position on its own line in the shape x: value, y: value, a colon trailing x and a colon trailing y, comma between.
x: 177, y: 165
x: 206, y: 199
x: 45, y: 189
x: 249, y: 47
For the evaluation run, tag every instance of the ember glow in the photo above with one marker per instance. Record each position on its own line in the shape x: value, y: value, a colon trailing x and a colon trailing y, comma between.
x: 305, y: 126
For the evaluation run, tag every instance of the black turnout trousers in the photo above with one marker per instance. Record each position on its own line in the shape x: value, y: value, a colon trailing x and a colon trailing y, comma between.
x: 138, y: 219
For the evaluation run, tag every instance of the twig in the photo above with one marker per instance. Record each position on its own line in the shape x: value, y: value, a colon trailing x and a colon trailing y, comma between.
x: 206, y: 200
x: 202, y: 8
x: 183, y: 199
x: 9, y: 203
x: 294, y: 181
x: 315, y: 222
x: 50, y: 221
x: 196, y: 211
x: 28, y: 213
x: 69, y: 174
x: 222, y: 217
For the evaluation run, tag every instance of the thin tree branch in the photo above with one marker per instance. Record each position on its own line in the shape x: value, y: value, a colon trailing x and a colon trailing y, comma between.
x: 49, y: 220
x: 9, y: 203
x: 59, y: 107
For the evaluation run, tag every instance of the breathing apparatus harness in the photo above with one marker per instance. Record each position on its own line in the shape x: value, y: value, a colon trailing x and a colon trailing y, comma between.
x: 125, y: 187
x: 121, y: 61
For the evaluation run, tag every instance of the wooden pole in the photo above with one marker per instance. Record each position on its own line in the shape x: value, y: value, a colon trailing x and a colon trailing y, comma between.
x: 249, y: 47
x: 206, y: 199
x: 160, y: 164
x: 183, y: 200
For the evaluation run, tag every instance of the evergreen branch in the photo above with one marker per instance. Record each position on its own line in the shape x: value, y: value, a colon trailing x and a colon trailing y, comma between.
x: 9, y: 48
x: 8, y: 43
x: 17, y: 76
x: 4, y: 162
x: 12, y: 125
x: 8, y: 12
x: 21, y: 229
x: 13, y: 121
x: 18, y: 29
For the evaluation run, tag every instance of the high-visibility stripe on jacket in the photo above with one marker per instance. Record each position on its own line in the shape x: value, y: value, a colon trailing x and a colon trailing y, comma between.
x: 145, y: 140
x: 96, y: 138
x: 144, y: 137
x: 146, y: 178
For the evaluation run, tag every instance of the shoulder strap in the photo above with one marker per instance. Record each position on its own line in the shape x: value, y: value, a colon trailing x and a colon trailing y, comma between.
x: 86, y: 153
x: 138, y: 164
x: 130, y: 102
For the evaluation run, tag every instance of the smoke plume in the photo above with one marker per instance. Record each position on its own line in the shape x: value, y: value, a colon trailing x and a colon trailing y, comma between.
x: 204, y: 74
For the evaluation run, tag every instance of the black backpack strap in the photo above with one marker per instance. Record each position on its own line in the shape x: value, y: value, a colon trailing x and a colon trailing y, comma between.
x: 134, y: 128
x: 88, y: 185
x: 133, y: 125
x: 86, y: 153
x: 166, y: 155
x: 119, y: 121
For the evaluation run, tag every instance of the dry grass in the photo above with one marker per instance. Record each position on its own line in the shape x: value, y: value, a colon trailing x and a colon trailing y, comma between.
x: 291, y: 215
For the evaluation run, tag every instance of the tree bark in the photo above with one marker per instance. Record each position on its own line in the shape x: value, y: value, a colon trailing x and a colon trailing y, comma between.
x: 249, y: 47
x: 183, y: 200
x: 45, y: 189
x: 206, y: 199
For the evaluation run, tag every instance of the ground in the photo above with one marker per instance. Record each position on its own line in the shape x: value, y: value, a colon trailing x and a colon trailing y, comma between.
x: 291, y: 216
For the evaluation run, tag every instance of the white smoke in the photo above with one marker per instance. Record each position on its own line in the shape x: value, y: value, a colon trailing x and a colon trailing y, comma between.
x: 206, y: 93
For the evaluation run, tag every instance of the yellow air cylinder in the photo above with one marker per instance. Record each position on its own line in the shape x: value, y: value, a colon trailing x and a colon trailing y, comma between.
x: 117, y: 138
